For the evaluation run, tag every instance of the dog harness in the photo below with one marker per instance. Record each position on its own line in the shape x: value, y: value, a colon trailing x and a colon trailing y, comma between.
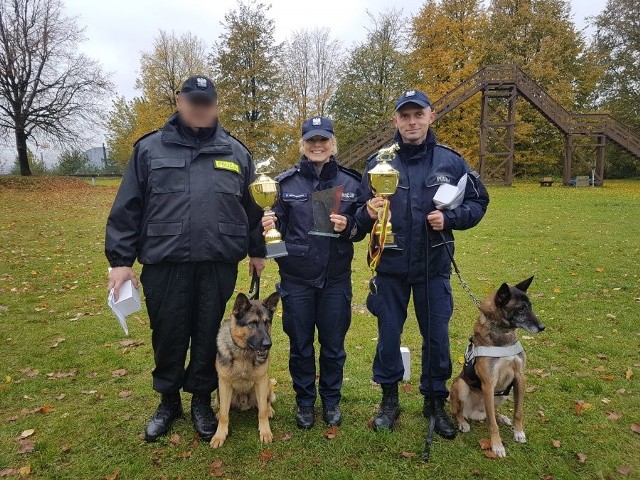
x: 469, y: 374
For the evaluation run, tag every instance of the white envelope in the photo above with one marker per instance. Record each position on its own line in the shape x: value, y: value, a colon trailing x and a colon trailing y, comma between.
x: 448, y: 197
x: 128, y: 303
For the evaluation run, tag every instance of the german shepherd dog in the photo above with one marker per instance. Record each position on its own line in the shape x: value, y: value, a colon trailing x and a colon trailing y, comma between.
x: 243, y: 363
x: 481, y: 388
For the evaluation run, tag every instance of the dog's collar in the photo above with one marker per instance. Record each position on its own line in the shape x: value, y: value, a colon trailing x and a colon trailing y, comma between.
x: 495, y: 352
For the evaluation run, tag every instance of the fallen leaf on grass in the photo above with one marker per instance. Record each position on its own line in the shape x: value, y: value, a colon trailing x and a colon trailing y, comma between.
x: 635, y: 427
x: 30, y: 373
x: 8, y: 472
x: 121, y: 372
x: 25, y: 471
x: 581, y: 406
x: 331, y: 433
x: 286, y: 437
x: 26, y: 446
x: 56, y: 342
x: 555, y: 443
x: 624, y: 470
x: 407, y: 455
x: 581, y: 457
x: 489, y: 454
x: 406, y: 387
x: 485, y: 443
x: 65, y: 448
x: 265, y: 456
x: 186, y: 454
x: 629, y: 374
x: 216, y: 468
x: 27, y: 433
x: 125, y: 394
x: 175, y: 439
x: 56, y: 375
x: 614, y: 416
x: 92, y: 374
x: 131, y: 343
x: 114, y: 475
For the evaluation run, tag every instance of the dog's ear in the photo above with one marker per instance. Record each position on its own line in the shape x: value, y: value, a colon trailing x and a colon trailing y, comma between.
x: 271, y: 302
x: 242, y: 305
x: 503, y: 295
x: 523, y: 285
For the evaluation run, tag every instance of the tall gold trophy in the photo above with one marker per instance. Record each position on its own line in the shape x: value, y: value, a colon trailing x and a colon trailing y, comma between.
x: 265, y: 192
x: 384, y: 179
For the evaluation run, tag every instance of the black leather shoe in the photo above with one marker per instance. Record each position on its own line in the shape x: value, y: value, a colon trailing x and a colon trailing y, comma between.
x: 332, y: 415
x: 443, y: 424
x: 204, y: 421
x: 169, y: 409
x: 305, y: 417
x: 389, y: 409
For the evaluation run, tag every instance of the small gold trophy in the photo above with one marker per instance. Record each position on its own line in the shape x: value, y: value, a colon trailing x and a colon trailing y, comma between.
x: 265, y: 192
x: 384, y: 179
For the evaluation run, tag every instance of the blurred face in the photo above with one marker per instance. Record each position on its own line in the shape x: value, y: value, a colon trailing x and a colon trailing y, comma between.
x: 197, y: 112
x: 318, y: 149
x: 412, y: 121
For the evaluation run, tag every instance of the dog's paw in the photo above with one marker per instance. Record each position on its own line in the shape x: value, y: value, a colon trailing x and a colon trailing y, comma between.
x: 266, y: 436
x: 499, y: 450
x: 217, y: 441
x: 503, y: 419
x: 519, y: 436
x: 464, y: 427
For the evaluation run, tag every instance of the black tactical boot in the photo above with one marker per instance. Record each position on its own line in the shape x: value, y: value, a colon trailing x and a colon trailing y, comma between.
x: 389, y: 410
x: 332, y: 415
x: 204, y: 420
x: 444, y: 426
x: 169, y: 409
x: 305, y: 417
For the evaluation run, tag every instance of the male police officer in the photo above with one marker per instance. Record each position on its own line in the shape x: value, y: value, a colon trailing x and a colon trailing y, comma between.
x: 184, y: 210
x: 421, y: 263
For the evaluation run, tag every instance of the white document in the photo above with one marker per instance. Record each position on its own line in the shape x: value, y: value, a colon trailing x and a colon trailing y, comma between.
x: 128, y: 303
x: 448, y: 197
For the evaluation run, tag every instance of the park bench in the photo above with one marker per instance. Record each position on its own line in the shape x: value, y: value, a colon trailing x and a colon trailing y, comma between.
x: 546, y: 182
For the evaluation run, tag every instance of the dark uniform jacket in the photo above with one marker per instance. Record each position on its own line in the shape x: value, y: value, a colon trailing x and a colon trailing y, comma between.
x: 315, y: 260
x: 423, y: 168
x: 184, y: 198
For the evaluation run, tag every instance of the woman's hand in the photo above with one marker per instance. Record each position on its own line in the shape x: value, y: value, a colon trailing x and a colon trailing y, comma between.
x: 339, y: 222
x: 374, y: 205
x: 268, y: 222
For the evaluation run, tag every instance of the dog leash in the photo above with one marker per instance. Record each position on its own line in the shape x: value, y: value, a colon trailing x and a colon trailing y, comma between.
x: 254, y: 289
x: 463, y: 283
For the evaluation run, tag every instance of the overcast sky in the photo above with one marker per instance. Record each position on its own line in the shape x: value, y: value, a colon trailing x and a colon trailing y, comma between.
x: 118, y: 30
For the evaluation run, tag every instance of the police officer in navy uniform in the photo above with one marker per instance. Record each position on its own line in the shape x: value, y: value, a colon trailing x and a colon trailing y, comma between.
x: 315, y: 284
x: 421, y: 264
x: 185, y: 212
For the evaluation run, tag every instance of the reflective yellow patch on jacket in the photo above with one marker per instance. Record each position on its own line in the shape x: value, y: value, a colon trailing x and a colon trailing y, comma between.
x: 227, y: 165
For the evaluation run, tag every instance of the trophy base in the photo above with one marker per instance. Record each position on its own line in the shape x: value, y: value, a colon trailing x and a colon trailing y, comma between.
x: 276, y: 249
x: 324, y: 234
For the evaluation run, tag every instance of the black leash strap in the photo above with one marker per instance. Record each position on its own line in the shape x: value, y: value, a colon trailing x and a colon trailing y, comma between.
x: 254, y: 289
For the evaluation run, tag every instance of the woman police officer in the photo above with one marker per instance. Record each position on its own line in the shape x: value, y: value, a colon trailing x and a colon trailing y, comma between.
x: 315, y: 284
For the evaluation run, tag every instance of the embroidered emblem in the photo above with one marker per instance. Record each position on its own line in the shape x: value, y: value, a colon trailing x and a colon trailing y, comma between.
x: 201, y: 82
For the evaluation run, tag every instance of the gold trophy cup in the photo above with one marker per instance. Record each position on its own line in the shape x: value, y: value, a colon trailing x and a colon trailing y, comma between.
x: 384, y: 179
x: 265, y: 192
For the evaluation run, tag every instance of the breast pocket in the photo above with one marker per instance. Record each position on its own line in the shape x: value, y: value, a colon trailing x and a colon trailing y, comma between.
x: 226, y: 181
x: 168, y: 174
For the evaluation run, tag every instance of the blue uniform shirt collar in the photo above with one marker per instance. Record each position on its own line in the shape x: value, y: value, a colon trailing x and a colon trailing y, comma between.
x: 409, y: 150
x: 328, y: 172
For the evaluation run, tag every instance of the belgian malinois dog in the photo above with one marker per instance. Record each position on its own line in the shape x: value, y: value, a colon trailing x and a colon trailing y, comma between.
x: 242, y: 363
x: 489, y: 373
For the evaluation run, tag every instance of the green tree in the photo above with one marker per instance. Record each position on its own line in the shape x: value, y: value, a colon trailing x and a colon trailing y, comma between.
x: 36, y: 165
x: 617, y: 40
x: 71, y: 161
x: 372, y: 78
x: 540, y: 37
x: 246, y: 71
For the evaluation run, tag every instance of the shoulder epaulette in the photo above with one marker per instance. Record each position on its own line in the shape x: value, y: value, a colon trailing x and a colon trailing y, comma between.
x: 146, y: 135
x: 237, y: 139
x: 446, y: 147
x: 286, y: 174
x: 352, y: 173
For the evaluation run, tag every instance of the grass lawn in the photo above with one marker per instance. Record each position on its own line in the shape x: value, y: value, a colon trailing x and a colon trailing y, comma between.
x: 81, y: 393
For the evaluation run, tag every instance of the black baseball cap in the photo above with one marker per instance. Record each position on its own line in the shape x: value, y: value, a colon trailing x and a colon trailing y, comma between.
x: 317, y: 126
x: 199, y: 86
x: 413, y: 96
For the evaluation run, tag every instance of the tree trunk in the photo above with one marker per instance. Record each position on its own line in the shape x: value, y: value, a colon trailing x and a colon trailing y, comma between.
x: 23, y: 157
